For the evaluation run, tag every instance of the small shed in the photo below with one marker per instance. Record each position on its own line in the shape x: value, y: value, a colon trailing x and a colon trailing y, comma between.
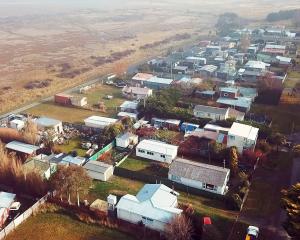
x: 63, y: 99
x: 99, y: 170
x: 21, y: 147
x: 79, y: 101
x: 126, y: 139
x: 17, y: 124
x: 99, y: 122
x: 45, y: 123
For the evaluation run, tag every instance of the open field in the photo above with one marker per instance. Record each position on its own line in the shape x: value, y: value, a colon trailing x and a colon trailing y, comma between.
x: 77, y: 115
x: 45, y: 49
x: 54, y: 226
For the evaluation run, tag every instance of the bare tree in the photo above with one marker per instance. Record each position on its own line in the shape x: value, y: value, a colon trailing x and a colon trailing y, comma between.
x: 180, y: 228
x: 72, y: 180
x: 30, y: 133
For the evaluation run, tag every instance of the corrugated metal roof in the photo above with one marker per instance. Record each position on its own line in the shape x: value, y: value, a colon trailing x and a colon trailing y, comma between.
x: 239, y: 102
x: 157, y: 146
x: 129, y: 105
x: 204, y: 173
x: 22, y: 147
x: 6, y: 199
x: 47, y: 122
x: 96, y: 166
x: 210, y: 109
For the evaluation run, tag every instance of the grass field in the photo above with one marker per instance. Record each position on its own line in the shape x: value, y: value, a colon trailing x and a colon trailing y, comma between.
x: 144, y: 166
x: 77, y: 115
x: 58, y: 226
x: 73, y: 145
x: 203, y: 206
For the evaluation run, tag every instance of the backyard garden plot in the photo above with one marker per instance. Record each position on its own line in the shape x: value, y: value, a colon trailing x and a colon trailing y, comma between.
x: 70, y: 146
x: 113, y: 155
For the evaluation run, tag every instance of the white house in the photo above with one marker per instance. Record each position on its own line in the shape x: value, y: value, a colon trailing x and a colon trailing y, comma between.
x: 17, y: 124
x: 99, y: 122
x: 136, y: 92
x: 242, y: 136
x: 6, y: 201
x: 156, y: 150
x: 79, y: 101
x: 126, y: 139
x: 132, y: 116
x: 199, y: 175
x: 155, y: 205
x: 129, y: 106
x: 99, y: 170
x: 214, y: 113
x: 45, y: 123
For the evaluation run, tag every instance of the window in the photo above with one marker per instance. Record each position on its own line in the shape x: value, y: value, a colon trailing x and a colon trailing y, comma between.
x: 141, y: 151
x: 150, y: 153
x: 225, y: 94
x: 163, y: 156
x: 210, y: 186
x: 175, y: 178
x: 232, y: 137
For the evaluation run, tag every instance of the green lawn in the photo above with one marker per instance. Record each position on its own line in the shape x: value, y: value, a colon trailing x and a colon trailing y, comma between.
x: 63, y: 113
x: 145, y: 166
x: 73, y: 145
x: 59, y: 226
x: 116, y: 185
x: 100, y: 93
x: 77, y: 115
x: 203, y: 206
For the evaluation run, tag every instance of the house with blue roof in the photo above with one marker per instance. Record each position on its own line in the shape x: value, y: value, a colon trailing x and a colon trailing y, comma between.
x: 155, y: 206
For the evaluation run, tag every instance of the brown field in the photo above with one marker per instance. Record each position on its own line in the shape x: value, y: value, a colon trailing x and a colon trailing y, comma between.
x: 61, y: 47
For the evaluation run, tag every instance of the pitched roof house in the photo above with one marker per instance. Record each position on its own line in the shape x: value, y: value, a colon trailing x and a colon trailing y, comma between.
x: 199, y: 175
x: 214, y: 113
x: 155, y: 205
x: 242, y: 136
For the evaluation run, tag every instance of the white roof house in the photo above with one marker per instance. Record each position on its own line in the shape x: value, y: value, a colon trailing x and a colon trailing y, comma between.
x: 130, y: 106
x: 22, y: 147
x: 133, y: 116
x: 49, y: 123
x: 256, y: 65
x: 156, y: 150
x: 17, y: 124
x: 99, y: 122
x: 242, y: 136
x: 155, y: 205
x: 136, y: 92
x: 142, y: 76
x: 99, y: 170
